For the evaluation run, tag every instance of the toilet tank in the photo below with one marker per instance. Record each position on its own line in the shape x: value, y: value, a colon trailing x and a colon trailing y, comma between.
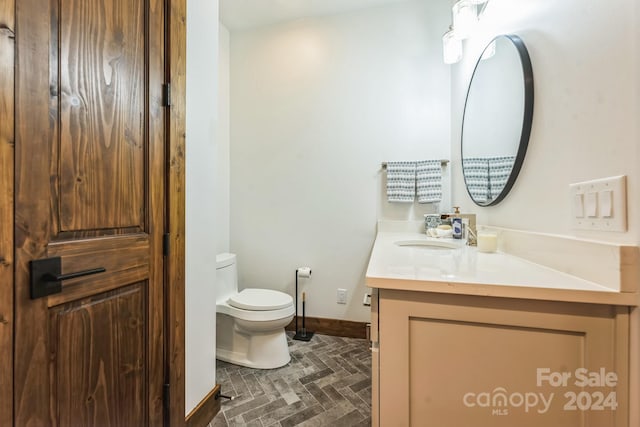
x: 226, y: 277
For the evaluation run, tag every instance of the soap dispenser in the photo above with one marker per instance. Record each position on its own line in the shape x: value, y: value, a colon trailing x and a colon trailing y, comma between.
x: 456, y: 223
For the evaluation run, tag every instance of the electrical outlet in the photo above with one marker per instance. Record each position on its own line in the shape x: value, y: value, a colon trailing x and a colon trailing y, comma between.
x: 342, y: 296
x: 367, y: 300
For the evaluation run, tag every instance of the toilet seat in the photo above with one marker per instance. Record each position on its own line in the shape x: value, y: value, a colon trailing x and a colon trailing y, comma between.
x: 260, y: 300
x: 255, y: 315
x: 258, y: 305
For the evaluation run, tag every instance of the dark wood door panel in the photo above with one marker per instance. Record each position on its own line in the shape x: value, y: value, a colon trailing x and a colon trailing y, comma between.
x: 90, y: 187
x: 103, y: 252
x: 102, y: 110
x: 98, y: 354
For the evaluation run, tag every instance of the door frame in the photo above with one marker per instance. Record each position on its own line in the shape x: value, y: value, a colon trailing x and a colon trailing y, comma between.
x: 174, y: 296
x: 176, y: 54
x: 7, y: 78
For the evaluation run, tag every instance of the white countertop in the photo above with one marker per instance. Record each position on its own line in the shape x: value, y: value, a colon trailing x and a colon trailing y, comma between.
x: 467, y: 271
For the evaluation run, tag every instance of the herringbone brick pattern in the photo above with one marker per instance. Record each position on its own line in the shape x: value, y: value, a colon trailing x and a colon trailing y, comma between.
x: 327, y: 383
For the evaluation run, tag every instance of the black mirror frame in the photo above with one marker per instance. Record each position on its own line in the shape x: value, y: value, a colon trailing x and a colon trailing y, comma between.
x: 527, y: 119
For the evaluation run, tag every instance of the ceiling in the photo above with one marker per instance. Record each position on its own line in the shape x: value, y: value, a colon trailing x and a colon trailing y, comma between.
x: 244, y: 14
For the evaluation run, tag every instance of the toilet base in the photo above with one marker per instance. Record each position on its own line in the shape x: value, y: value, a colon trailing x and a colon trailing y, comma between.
x: 258, y: 350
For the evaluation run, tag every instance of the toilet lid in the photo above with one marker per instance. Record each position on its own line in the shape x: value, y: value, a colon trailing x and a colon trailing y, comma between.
x: 260, y: 300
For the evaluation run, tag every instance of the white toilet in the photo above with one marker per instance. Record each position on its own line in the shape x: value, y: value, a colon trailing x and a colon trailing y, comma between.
x: 250, y: 323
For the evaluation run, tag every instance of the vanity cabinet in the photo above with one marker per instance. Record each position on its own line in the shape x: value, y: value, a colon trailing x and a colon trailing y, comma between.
x: 444, y: 360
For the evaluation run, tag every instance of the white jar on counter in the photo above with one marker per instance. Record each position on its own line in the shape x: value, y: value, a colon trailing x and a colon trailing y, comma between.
x: 487, y: 241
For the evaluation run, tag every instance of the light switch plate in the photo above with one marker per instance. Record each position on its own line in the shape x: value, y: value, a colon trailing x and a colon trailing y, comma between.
x: 610, y: 210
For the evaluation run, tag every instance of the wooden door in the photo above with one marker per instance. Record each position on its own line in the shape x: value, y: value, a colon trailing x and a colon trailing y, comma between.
x: 90, y: 189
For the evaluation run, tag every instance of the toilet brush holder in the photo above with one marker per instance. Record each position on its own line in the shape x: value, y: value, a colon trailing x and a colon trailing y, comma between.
x: 302, y: 334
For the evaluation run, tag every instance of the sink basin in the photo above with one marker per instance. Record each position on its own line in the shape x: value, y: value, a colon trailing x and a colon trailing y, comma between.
x: 428, y: 244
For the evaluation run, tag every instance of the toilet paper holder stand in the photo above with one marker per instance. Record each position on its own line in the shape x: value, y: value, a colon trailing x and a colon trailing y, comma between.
x: 302, y: 334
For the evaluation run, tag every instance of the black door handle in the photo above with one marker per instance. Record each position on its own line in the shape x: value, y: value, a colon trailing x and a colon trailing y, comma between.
x: 58, y: 277
x: 46, y: 276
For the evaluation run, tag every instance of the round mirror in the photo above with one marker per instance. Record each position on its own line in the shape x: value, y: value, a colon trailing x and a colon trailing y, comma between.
x: 497, y: 119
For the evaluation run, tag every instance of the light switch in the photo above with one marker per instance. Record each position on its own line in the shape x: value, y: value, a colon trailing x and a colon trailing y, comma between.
x: 591, y: 204
x: 606, y: 203
x: 578, y: 205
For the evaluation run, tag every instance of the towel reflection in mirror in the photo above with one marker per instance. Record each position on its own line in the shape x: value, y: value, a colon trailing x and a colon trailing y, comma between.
x: 487, y: 176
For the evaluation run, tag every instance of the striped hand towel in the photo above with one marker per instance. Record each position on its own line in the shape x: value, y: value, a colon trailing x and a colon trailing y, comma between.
x: 401, y: 181
x: 429, y: 181
x: 476, y: 173
x: 499, y: 172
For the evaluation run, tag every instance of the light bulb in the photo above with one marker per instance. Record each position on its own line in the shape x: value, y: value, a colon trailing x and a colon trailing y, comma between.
x: 451, y: 48
x: 465, y: 18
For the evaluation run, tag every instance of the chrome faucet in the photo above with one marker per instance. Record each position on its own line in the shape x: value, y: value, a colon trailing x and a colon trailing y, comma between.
x: 469, y: 229
x: 472, y: 238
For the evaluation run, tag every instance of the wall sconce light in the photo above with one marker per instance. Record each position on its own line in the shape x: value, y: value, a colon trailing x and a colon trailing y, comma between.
x: 465, y: 16
x: 451, y: 47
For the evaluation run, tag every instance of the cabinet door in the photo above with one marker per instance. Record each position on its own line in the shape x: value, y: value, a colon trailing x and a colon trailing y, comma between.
x: 453, y: 360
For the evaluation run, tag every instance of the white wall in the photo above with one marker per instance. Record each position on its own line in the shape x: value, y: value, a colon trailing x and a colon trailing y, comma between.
x: 222, y: 156
x: 316, y: 105
x: 200, y: 334
x: 585, y: 124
